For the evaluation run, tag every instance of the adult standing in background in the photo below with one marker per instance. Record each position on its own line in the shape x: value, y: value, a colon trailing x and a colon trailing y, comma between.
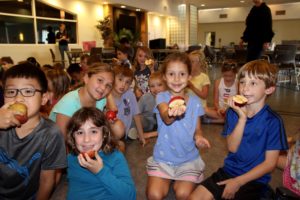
x: 63, y: 39
x: 258, y: 33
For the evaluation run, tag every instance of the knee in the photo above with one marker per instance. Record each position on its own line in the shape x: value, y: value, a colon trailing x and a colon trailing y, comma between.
x: 182, y: 194
x: 155, y: 195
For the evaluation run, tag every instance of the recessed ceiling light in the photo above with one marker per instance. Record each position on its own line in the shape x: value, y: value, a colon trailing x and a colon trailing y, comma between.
x: 202, y: 5
x: 123, y: 6
x: 242, y: 1
x: 138, y: 10
x: 105, y: 2
x: 20, y: 0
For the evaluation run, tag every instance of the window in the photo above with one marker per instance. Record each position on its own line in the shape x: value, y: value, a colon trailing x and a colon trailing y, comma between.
x: 17, y: 22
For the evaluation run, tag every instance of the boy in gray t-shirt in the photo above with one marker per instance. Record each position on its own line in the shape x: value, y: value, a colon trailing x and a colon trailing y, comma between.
x: 31, y: 147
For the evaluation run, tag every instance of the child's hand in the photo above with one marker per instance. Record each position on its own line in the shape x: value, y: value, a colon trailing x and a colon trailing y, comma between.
x: 231, y: 187
x: 143, y: 141
x: 7, y: 117
x: 92, y: 165
x: 241, y: 111
x: 201, y: 142
x: 176, y: 111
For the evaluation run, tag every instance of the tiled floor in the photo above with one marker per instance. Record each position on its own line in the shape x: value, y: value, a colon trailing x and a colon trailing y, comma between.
x: 285, y: 101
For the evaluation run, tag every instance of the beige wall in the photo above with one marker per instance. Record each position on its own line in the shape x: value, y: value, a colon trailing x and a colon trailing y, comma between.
x: 232, y: 31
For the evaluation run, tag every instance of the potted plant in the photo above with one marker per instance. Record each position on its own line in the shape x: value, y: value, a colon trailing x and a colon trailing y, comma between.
x: 104, y: 26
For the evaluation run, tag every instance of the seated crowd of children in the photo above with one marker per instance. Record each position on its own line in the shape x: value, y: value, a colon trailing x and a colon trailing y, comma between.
x: 65, y: 125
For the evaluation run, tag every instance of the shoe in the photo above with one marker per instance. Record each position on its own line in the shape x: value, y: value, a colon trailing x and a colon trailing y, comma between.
x: 132, y: 134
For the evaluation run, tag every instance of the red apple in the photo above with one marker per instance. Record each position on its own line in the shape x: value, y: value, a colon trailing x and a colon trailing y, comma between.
x: 176, y: 102
x: 240, y: 100
x: 20, y: 112
x: 111, y: 115
x: 91, y: 154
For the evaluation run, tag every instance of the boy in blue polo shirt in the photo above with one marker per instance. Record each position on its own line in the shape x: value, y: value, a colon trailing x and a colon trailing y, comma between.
x: 255, y: 134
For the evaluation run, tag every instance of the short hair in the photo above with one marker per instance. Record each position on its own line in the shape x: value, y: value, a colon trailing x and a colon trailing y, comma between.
x: 156, y: 75
x: 124, y: 49
x: 60, y: 81
x: 7, y: 59
x: 74, y: 68
x: 260, y: 69
x: 27, y: 70
x: 177, y: 57
x: 123, y: 70
x: 124, y: 40
x: 98, y: 118
x: 99, y: 67
x: 229, y: 66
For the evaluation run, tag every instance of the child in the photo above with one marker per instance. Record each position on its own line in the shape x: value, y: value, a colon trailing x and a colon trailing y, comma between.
x: 223, y: 89
x: 142, y: 71
x: 126, y: 101
x: 98, y: 82
x: 147, y: 103
x: 84, y: 62
x: 58, y: 86
x: 199, y: 83
x: 105, y: 177
x: 76, y: 73
x: 123, y: 56
x: 255, y: 135
x: 175, y: 155
x: 31, y: 152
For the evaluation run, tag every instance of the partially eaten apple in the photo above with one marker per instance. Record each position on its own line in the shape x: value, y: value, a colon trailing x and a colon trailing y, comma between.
x: 91, y: 154
x: 111, y: 115
x: 20, y: 112
x: 149, y: 62
x: 177, y: 102
x: 240, y: 100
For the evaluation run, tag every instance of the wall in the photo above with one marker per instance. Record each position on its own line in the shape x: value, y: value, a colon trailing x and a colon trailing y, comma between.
x: 87, y: 12
x: 157, y: 26
x: 231, y: 28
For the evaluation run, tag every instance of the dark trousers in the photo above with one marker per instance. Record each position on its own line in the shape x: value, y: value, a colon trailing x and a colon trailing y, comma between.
x: 254, y: 51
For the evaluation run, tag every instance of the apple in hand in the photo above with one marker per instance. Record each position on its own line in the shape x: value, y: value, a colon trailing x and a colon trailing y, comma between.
x: 149, y: 62
x: 177, y: 102
x: 20, y: 112
x: 240, y: 100
x: 91, y: 154
x: 111, y: 115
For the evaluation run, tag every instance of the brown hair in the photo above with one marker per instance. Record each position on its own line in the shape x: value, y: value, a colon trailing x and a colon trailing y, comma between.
x: 156, y: 75
x: 123, y: 70
x: 99, y: 67
x: 98, y: 118
x: 229, y: 66
x: 60, y: 81
x: 177, y: 57
x: 260, y: 69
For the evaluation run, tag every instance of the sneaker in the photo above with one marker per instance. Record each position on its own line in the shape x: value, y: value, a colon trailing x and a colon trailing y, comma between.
x: 132, y: 134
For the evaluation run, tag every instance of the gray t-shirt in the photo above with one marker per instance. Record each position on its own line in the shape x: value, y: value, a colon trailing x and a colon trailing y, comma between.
x: 146, y: 105
x: 21, y: 160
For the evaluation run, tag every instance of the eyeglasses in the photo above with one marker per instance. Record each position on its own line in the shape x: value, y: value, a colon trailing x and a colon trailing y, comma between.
x: 25, y: 92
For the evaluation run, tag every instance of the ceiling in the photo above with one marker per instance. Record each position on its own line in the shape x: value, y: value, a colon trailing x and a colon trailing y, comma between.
x: 233, y: 3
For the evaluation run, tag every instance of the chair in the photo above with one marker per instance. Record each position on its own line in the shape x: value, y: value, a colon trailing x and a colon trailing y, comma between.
x: 284, y: 57
x: 54, y: 61
x: 210, y: 55
x: 74, y: 54
x: 96, y: 51
x: 108, y: 54
x: 240, y: 55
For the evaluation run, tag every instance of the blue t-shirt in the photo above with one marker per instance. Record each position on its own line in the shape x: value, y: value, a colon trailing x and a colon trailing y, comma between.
x: 127, y: 108
x: 70, y: 103
x: 175, y: 143
x: 113, y: 181
x: 263, y: 132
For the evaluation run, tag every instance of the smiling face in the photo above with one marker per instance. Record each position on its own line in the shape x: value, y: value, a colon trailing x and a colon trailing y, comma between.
x: 177, y: 77
x: 88, y: 137
x: 98, y: 85
x: 141, y: 57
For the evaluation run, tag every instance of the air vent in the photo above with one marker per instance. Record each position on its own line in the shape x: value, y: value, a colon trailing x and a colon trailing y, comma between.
x: 223, y: 16
x: 280, y: 12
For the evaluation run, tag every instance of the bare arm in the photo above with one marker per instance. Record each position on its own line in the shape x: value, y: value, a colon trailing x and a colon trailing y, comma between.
x: 203, y: 93
x: 118, y: 129
x: 200, y: 141
x: 62, y: 121
x: 110, y: 103
x: 216, y: 94
x: 163, y: 111
x: 47, y: 183
x: 233, y: 185
x: 139, y: 127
